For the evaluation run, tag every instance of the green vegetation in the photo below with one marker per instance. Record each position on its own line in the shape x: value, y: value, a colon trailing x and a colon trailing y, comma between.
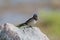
x: 53, y: 18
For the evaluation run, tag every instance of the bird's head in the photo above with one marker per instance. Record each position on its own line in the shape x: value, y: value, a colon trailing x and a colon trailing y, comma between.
x: 35, y: 17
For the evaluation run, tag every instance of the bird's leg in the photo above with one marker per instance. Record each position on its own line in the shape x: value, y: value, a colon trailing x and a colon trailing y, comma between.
x: 30, y: 26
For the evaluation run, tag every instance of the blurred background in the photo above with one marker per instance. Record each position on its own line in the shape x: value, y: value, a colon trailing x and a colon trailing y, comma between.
x: 18, y: 11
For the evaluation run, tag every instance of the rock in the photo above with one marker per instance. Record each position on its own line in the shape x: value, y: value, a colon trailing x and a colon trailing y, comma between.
x: 10, y: 32
x: 7, y: 33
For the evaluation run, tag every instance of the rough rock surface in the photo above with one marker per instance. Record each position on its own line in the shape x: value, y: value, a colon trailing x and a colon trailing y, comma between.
x: 10, y: 32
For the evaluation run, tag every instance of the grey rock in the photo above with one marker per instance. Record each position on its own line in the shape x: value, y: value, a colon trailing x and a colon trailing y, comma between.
x: 7, y: 34
x: 11, y: 32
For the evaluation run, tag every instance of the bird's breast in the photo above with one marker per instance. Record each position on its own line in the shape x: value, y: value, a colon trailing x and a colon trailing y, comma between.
x: 32, y: 23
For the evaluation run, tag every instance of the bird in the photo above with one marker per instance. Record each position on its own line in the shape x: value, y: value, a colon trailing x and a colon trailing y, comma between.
x: 30, y: 22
